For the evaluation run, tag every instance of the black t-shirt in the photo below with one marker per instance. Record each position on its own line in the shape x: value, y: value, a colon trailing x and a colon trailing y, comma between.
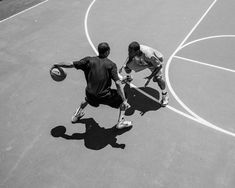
x: 99, y: 73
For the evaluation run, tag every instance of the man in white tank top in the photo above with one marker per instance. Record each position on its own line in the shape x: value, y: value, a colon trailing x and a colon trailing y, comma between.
x: 141, y: 57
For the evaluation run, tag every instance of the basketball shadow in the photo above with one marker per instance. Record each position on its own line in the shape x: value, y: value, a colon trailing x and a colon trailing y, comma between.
x: 95, y: 137
x: 141, y: 102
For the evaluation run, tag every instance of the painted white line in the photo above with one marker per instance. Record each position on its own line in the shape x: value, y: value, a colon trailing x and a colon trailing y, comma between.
x: 132, y: 85
x: 23, y: 11
x: 183, y: 114
x: 86, y: 28
x: 206, y: 123
x: 206, y: 64
x: 206, y: 38
x: 168, y: 106
x: 195, y: 26
x: 193, y: 116
x: 170, y: 60
x: 199, y: 119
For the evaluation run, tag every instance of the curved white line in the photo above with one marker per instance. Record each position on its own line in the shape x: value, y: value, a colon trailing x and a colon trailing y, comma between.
x: 170, y: 60
x: 206, y: 38
x: 86, y: 28
x: 200, y: 120
x: 194, y: 117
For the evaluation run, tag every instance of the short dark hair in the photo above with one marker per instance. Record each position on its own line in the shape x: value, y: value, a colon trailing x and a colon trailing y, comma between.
x: 134, y: 46
x: 103, y: 47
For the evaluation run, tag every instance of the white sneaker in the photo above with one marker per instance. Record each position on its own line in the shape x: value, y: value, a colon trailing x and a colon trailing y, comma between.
x: 123, y: 124
x: 165, y: 100
x: 77, y: 116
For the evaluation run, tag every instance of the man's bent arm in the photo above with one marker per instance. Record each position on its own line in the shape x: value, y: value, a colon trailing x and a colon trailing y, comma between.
x: 124, y: 65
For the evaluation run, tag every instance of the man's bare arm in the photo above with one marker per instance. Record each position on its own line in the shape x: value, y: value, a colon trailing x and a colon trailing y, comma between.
x: 124, y: 65
x: 120, y: 90
x: 64, y: 65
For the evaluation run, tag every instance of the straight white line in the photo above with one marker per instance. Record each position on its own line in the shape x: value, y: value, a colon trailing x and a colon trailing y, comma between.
x: 199, y: 119
x: 195, y: 26
x: 23, y: 11
x: 170, y: 60
x: 205, y: 123
x: 132, y: 85
x: 194, y: 116
x: 198, y: 62
x: 168, y: 106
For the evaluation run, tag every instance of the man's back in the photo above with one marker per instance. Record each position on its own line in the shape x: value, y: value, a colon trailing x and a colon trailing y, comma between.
x: 150, y: 52
x: 99, y: 73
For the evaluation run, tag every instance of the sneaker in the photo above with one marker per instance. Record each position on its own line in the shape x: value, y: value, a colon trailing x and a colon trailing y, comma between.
x: 126, y: 79
x: 123, y: 124
x: 77, y: 116
x: 165, y: 100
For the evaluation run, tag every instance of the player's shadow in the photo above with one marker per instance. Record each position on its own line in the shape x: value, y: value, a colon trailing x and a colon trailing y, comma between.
x: 95, y: 137
x: 139, y: 101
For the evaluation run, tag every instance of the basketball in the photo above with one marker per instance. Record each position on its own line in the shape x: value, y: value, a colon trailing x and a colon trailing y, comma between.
x: 57, y: 74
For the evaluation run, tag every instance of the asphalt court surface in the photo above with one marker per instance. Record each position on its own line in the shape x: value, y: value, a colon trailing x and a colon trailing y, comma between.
x: 9, y: 8
x: 188, y: 144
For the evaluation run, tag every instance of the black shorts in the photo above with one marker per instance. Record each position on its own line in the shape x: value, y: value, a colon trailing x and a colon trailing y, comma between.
x: 112, y: 99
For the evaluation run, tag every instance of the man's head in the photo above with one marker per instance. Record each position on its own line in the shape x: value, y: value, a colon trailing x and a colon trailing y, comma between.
x: 103, y: 49
x: 133, y: 49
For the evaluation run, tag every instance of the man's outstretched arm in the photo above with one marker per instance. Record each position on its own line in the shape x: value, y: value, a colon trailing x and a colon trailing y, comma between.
x: 64, y: 65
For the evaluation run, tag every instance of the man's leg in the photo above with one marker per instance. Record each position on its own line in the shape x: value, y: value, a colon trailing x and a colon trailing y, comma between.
x: 162, y: 84
x: 122, y: 123
x: 116, y: 101
x: 79, y: 112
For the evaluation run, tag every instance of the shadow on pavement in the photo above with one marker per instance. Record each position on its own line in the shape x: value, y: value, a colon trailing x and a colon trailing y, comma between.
x: 141, y: 102
x: 95, y: 137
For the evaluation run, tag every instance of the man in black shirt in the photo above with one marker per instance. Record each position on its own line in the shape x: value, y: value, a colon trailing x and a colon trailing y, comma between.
x: 99, y: 72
